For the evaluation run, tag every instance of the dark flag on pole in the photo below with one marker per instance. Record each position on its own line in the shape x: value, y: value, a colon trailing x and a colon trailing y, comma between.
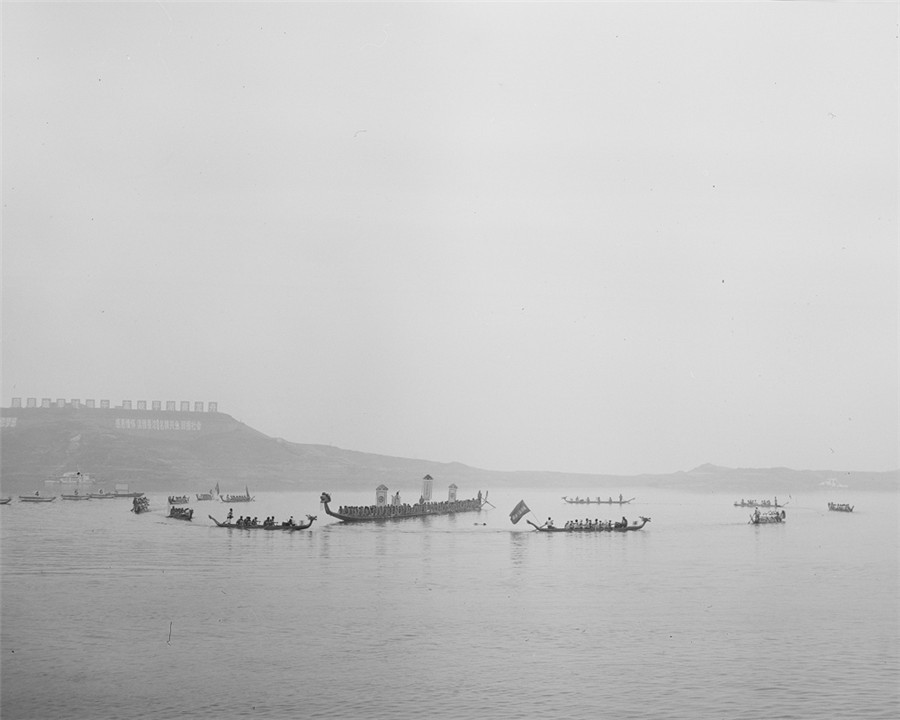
x: 518, y: 512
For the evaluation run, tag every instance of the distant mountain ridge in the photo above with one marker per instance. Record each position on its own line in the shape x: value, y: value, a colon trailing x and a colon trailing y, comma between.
x: 158, y: 451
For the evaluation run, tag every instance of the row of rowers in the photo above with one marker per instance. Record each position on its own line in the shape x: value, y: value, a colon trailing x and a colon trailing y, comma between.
x: 254, y: 522
x: 588, y: 524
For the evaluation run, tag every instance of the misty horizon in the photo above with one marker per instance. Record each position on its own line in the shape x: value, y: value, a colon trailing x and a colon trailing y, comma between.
x: 594, y: 237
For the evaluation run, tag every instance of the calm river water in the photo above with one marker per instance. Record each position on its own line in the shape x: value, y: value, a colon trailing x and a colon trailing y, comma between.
x: 110, y: 615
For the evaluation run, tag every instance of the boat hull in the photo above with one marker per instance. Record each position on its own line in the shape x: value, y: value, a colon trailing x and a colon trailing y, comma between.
x: 620, y: 528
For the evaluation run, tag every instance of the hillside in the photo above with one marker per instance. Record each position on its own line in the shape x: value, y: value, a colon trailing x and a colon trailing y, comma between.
x: 162, y: 451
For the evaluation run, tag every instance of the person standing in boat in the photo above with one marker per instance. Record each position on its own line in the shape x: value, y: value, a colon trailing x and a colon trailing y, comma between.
x: 230, y: 514
x: 620, y: 498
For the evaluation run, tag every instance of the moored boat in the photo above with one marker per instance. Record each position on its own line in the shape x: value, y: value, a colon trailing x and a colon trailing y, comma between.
x: 249, y: 525
x: 36, y: 498
x: 103, y: 495
x: 75, y: 496
x: 388, y: 512
x: 768, y: 517
x: 596, y: 501
x: 840, y: 507
x: 122, y: 490
x: 600, y: 526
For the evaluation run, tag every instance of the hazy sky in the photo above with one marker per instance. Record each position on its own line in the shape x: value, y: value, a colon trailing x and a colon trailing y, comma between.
x: 591, y: 237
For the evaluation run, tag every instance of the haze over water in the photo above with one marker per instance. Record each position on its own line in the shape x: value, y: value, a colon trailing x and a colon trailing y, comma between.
x: 110, y: 615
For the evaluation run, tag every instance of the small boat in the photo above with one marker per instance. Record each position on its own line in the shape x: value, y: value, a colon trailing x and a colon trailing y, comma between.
x: 5, y: 501
x: 103, y: 495
x: 287, y: 527
x: 75, y: 496
x: 608, y: 526
x: 385, y: 513
x: 140, y: 505
x: 181, y: 513
x: 759, y: 503
x: 179, y: 499
x: 37, y: 498
x: 598, y: 501
x: 237, y: 498
x: 766, y: 518
x: 840, y: 507
x: 204, y: 496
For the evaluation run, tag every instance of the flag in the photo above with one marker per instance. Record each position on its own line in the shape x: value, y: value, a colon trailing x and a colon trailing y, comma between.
x: 518, y: 512
x: 217, y: 489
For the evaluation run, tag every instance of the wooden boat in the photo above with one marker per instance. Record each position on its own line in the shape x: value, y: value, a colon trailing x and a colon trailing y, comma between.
x: 283, y: 526
x: 237, y: 498
x: 102, y: 495
x: 840, y: 507
x: 204, y: 496
x: 75, y: 496
x: 181, y: 513
x: 5, y: 501
x: 766, y: 518
x: 603, y: 527
x: 179, y: 499
x: 596, y: 501
x: 37, y: 498
x: 758, y: 503
x: 386, y: 513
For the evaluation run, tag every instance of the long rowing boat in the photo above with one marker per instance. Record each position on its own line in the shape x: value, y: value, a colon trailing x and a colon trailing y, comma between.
x: 282, y: 526
x: 386, y: 513
x: 767, y: 518
x: 601, y: 527
x: 597, y: 501
x: 840, y: 507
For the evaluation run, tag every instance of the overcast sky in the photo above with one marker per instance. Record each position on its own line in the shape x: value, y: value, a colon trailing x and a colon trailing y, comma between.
x: 593, y: 237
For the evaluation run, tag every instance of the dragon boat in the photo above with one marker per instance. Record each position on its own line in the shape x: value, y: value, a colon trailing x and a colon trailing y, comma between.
x: 178, y: 513
x: 601, y: 527
x: 596, y: 501
x: 282, y: 526
x: 766, y: 518
x: 387, y: 513
x: 179, y: 499
x: 840, y: 507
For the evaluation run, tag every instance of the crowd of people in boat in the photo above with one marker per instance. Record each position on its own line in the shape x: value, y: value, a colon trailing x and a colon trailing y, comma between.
x: 757, y: 503
x: 181, y: 513
x: 422, y: 507
x: 595, y: 525
x: 140, y: 504
x: 178, y: 499
x: 248, y: 522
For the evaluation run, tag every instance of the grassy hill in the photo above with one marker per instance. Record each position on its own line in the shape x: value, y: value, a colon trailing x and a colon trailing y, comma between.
x: 157, y: 451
